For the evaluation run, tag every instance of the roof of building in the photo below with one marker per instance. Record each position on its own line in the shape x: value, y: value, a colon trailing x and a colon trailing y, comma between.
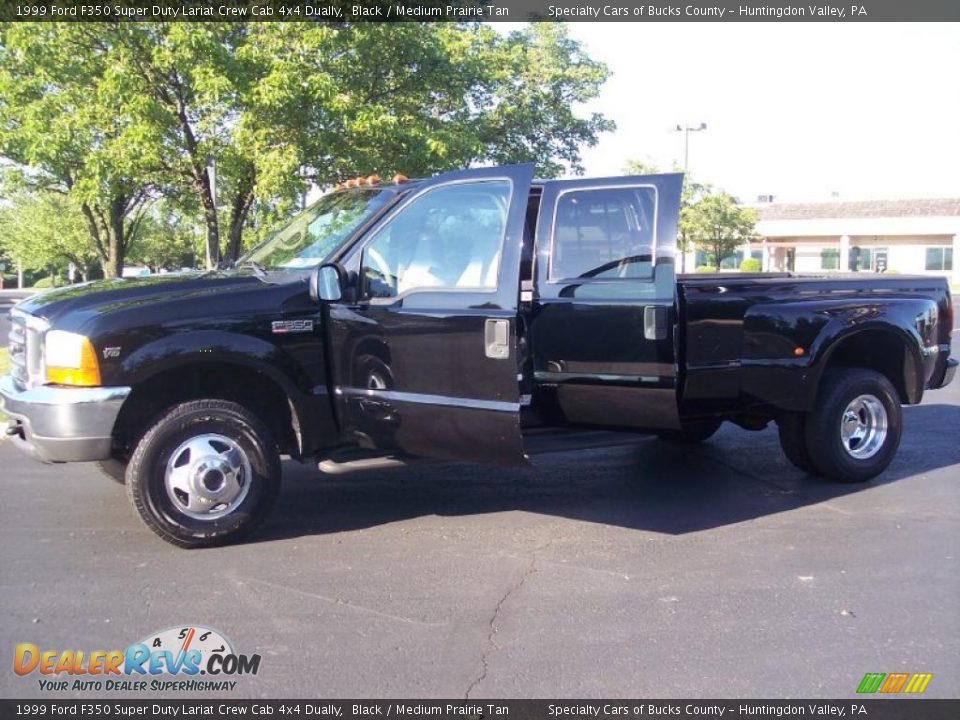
x: 942, y: 207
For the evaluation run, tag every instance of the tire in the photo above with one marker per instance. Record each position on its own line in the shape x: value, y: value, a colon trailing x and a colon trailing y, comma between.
x: 371, y: 372
x: 205, y: 474
x: 854, y: 431
x: 114, y: 469
x: 692, y: 432
x: 793, y: 441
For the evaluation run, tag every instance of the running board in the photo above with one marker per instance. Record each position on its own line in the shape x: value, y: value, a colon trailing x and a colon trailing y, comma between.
x: 350, y: 461
x: 536, y: 442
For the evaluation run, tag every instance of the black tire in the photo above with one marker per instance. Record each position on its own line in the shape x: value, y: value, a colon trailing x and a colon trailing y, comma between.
x: 692, y: 432
x: 370, y: 372
x: 246, y: 439
x: 114, y: 469
x: 836, y: 458
x: 793, y: 441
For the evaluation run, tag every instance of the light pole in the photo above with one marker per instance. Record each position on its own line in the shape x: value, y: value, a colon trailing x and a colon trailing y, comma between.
x: 686, y: 130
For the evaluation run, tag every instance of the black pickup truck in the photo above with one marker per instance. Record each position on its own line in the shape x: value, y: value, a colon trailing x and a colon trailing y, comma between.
x: 455, y: 318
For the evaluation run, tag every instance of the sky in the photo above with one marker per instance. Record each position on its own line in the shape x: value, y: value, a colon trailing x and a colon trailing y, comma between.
x: 800, y: 111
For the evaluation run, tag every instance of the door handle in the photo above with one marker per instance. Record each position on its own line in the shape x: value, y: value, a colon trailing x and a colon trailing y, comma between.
x: 496, y: 338
x: 655, y: 322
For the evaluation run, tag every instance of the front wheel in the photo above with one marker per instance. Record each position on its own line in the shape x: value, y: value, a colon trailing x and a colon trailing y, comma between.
x: 854, y: 431
x: 206, y: 474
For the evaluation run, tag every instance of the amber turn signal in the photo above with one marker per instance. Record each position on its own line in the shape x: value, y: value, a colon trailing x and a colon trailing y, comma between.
x: 70, y: 359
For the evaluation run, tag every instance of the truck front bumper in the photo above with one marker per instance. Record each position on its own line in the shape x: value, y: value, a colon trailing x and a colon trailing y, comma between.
x: 61, y: 424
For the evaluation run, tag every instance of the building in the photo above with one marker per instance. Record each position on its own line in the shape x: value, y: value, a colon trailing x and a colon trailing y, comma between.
x: 904, y: 236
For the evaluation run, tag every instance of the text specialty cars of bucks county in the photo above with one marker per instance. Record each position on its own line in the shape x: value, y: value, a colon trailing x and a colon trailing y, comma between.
x: 464, y: 317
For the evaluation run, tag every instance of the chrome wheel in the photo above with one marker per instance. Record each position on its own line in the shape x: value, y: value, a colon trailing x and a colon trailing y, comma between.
x: 376, y: 382
x: 863, y: 427
x: 207, y: 476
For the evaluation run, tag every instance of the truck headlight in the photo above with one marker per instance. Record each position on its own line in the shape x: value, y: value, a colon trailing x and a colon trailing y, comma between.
x: 69, y: 359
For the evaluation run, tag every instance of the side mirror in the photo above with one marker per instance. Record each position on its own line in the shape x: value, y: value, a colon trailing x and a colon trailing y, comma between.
x: 326, y: 283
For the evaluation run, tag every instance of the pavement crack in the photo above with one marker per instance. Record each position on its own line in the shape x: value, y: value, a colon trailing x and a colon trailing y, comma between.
x: 490, y: 645
x: 340, y: 602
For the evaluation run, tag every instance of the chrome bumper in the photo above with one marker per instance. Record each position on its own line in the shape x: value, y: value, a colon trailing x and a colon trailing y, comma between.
x: 948, y: 372
x: 60, y: 424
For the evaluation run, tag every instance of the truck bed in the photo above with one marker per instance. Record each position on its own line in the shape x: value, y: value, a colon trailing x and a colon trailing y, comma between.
x: 762, y: 339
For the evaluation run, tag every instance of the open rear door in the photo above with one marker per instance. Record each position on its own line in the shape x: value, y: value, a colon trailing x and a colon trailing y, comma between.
x: 603, y: 328
x: 425, y: 360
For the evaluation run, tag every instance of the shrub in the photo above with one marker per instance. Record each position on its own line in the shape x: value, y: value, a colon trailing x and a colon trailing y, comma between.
x: 751, y: 265
x: 706, y: 269
x: 891, y: 271
x: 45, y: 282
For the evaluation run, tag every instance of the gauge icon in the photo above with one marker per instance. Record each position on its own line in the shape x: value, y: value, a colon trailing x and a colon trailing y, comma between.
x: 184, y: 638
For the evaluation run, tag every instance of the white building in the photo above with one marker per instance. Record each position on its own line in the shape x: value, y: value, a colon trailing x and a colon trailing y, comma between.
x: 906, y: 236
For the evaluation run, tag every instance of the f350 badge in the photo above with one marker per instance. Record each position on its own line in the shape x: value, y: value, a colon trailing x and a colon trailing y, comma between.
x: 283, y: 327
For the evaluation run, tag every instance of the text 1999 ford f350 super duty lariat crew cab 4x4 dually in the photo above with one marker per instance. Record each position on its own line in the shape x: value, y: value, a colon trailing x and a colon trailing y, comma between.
x: 454, y: 318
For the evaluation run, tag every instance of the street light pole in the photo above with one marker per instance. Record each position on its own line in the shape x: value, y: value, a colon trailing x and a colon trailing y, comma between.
x: 686, y: 130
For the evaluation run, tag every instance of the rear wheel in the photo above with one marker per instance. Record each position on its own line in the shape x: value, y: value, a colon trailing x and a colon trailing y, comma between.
x: 792, y: 429
x: 692, y: 432
x: 854, y: 431
x: 206, y: 474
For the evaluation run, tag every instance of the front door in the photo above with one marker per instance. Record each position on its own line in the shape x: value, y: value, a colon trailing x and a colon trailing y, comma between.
x: 604, y: 305
x: 424, y: 357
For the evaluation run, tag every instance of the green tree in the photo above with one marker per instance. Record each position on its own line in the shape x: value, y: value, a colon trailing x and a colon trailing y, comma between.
x: 45, y: 231
x: 167, y: 239
x: 116, y: 113
x: 57, y: 133
x: 718, y: 225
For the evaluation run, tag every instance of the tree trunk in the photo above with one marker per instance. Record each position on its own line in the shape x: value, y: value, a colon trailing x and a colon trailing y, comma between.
x: 117, y: 236
x: 98, y: 244
x: 113, y: 266
x: 213, y: 234
x: 239, y: 209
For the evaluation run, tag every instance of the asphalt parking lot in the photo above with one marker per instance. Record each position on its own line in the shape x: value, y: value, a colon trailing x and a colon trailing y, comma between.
x: 642, y: 571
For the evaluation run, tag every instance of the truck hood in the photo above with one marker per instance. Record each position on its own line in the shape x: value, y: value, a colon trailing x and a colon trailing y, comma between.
x: 105, y: 296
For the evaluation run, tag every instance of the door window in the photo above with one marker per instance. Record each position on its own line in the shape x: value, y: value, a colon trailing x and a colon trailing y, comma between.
x: 449, y: 238
x: 604, y: 233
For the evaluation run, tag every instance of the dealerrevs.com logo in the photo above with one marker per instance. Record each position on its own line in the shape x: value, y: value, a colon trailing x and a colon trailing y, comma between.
x: 169, y: 660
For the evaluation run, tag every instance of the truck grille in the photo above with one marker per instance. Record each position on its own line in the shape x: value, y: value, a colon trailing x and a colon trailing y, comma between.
x: 24, y: 346
x: 18, y: 348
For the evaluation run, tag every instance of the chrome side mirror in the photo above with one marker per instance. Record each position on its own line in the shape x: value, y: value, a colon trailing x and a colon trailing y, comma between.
x: 326, y: 283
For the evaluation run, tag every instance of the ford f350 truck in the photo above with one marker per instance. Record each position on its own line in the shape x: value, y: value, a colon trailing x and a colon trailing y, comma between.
x: 454, y: 318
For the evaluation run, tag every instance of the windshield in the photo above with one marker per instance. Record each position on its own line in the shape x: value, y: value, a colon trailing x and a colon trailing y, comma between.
x: 312, y: 235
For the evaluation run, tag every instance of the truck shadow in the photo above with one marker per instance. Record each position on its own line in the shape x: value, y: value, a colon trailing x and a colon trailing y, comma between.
x: 651, y: 486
